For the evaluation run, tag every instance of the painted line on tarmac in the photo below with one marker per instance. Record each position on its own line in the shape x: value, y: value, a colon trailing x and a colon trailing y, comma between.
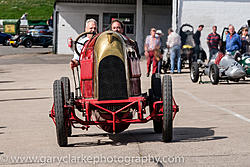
x: 215, y: 106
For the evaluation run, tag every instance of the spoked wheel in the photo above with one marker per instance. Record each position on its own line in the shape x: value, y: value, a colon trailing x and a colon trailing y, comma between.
x: 62, y: 139
x: 28, y: 43
x: 167, y: 128
x: 66, y: 91
x: 194, y: 72
x: 214, y: 74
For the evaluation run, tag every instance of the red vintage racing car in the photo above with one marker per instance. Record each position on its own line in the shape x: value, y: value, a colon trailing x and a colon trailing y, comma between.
x: 108, y: 91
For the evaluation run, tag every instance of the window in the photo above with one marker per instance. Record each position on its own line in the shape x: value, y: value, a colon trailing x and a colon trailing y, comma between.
x: 126, y: 18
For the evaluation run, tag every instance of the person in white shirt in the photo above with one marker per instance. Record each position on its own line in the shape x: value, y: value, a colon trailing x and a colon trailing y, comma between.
x: 174, y: 44
x: 91, y: 26
x: 24, y: 16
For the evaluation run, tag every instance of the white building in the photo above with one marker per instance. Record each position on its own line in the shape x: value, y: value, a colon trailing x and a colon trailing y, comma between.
x: 140, y: 15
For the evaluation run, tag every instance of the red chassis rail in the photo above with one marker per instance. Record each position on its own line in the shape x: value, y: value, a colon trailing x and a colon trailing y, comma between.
x: 86, y: 105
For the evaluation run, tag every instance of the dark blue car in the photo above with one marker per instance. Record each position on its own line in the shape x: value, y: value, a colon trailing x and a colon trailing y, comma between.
x: 4, y: 38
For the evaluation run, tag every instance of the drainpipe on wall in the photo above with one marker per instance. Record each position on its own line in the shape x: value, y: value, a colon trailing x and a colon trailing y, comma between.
x: 175, y: 15
x: 55, y: 21
x: 139, y: 26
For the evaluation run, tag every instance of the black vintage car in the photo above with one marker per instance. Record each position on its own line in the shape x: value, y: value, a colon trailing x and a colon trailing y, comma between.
x: 4, y: 38
x: 28, y: 40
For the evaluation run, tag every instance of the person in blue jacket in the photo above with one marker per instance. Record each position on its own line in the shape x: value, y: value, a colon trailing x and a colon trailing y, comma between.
x: 233, y: 41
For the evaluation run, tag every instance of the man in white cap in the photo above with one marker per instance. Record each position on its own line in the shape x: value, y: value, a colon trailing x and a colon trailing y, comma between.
x: 159, y: 34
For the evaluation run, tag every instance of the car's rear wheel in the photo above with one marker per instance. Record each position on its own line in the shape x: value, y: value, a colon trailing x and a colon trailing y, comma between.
x: 62, y: 139
x: 194, y: 72
x: 214, y: 74
x: 167, y: 128
x: 157, y: 126
x: 66, y: 91
x: 28, y: 43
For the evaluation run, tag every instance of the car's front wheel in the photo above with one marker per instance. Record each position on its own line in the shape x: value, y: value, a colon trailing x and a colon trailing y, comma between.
x: 214, y: 74
x: 194, y: 72
x: 59, y: 102
x: 167, y: 128
x: 66, y: 91
x: 28, y: 43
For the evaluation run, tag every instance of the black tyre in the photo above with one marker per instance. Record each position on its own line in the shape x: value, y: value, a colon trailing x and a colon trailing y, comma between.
x: 214, y: 74
x: 5, y: 42
x: 156, y: 85
x: 66, y: 91
x: 150, y: 100
x: 66, y: 88
x: 62, y: 139
x: 194, y: 72
x: 167, y: 128
x: 157, y: 124
x: 28, y: 43
x: 190, y: 61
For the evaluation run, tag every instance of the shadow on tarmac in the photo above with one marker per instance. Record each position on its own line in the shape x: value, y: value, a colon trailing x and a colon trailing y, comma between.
x: 181, y: 134
x: 235, y: 83
x: 2, y: 127
x: 20, y: 99
x: 18, y: 89
x: 6, y: 81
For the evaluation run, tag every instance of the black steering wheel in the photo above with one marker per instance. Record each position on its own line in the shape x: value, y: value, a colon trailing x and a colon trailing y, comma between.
x: 79, y: 45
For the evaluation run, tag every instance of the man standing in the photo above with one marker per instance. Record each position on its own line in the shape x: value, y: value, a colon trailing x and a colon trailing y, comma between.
x: 233, y: 41
x: 197, y: 41
x: 91, y: 26
x: 151, y: 44
x: 24, y: 16
x: 174, y: 43
x: 213, y: 41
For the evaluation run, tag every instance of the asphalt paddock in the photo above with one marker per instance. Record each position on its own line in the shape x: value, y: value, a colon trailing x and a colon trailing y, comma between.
x: 211, y: 128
